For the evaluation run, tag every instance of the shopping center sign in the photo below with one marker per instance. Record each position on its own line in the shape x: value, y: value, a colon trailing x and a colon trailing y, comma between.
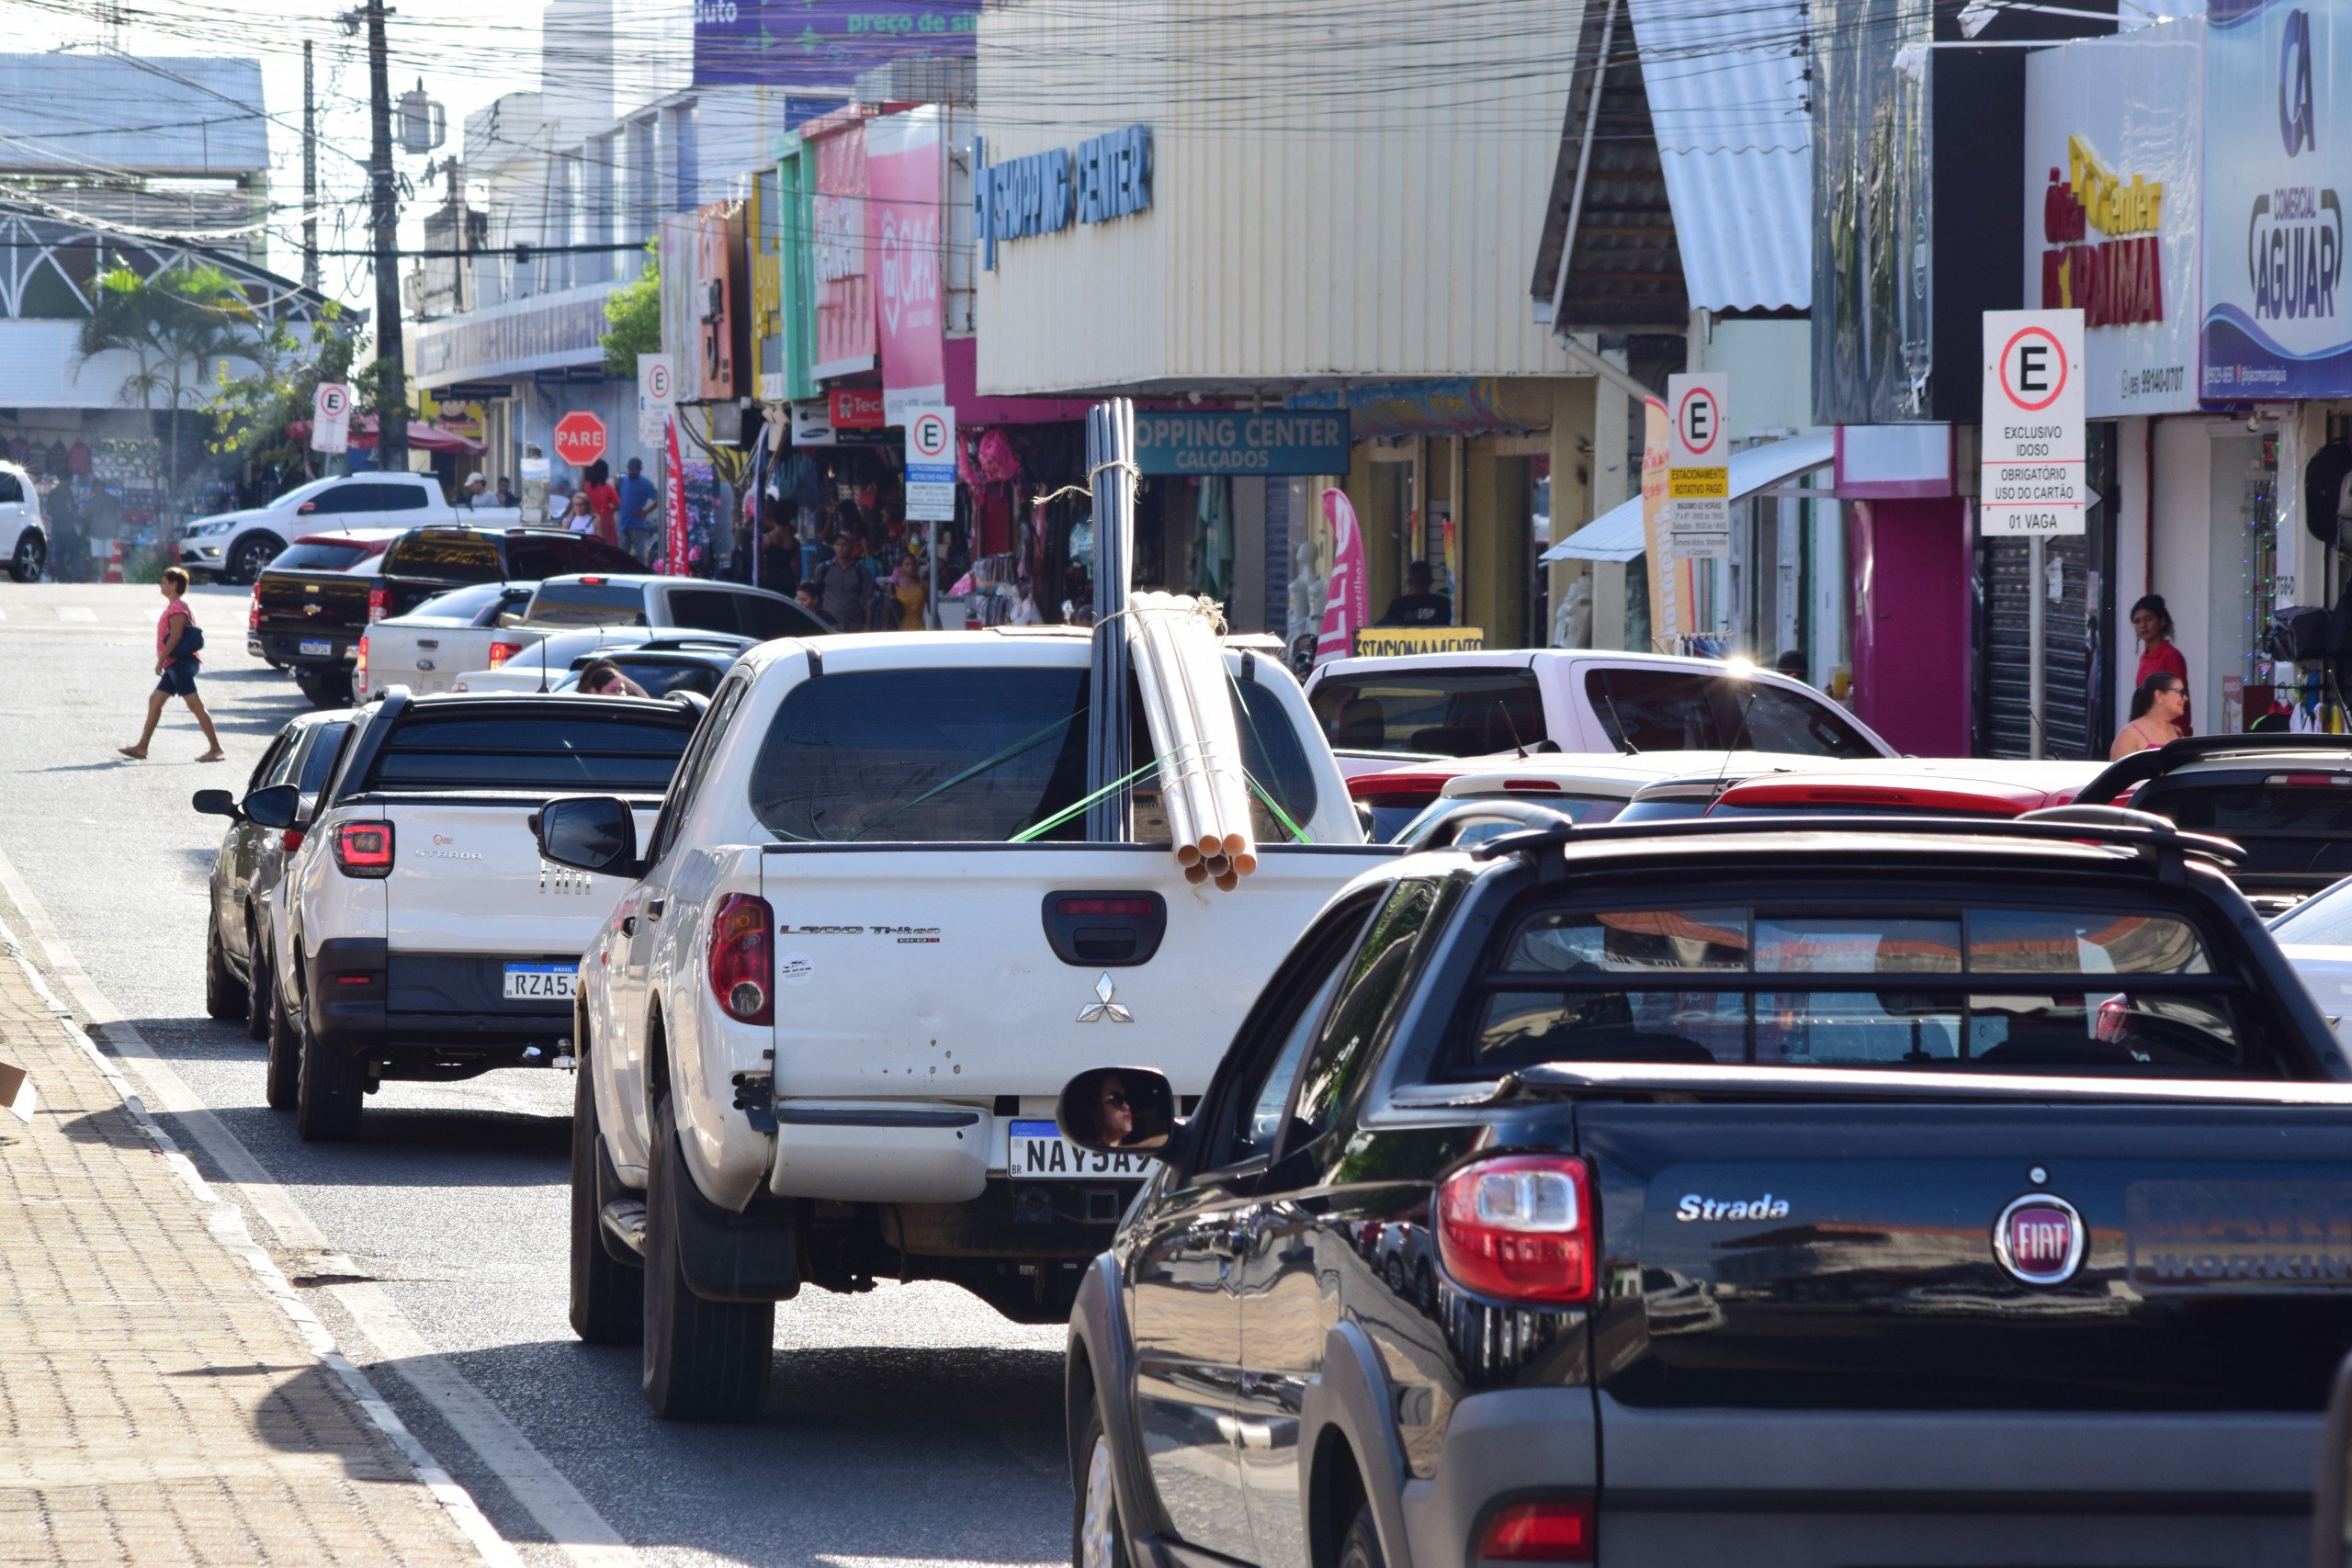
x: 1106, y: 177
x: 1237, y: 441
x: 2111, y: 219
x: 2278, y: 168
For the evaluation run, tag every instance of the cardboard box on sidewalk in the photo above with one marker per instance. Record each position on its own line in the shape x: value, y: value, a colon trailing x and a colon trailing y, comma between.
x: 16, y: 1091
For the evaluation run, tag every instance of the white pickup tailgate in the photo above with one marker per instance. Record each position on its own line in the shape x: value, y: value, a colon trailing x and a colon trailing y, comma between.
x: 430, y: 659
x: 466, y: 878
x: 929, y: 974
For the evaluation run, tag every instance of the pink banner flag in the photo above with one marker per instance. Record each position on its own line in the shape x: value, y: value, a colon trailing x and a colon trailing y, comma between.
x: 674, y: 559
x: 1347, y: 605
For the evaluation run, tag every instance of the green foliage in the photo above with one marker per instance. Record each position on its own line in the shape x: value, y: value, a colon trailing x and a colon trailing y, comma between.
x: 635, y: 312
x: 181, y: 326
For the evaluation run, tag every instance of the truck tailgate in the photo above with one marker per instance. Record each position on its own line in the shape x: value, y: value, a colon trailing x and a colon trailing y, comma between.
x: 466, y: 878
x: 430, y: 659
x: 317, y: 604
x: 931, y: 972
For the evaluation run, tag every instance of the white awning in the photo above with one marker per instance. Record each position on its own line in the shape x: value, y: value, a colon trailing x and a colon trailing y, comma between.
x: 1616, y: 534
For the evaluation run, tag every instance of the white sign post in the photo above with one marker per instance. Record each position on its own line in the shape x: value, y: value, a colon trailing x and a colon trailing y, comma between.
x: 657, y: 391
x: 1698, y: 467
x: 331, y: 418
x: 2031, y: 482
x: 931, y: 465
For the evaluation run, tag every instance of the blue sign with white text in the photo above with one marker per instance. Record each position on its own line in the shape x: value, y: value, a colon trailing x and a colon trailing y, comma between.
x: 1103, y: 177
x: 1238, y: 442
x: 822, y: 43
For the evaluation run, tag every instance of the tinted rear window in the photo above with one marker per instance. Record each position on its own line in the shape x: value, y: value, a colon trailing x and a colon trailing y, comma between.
x: 1691, y: 710
x: 558, y: 749
x: 588, y: 605
x: 1991, y: 988
x: 1447, y: 713
x: 318, y: 557
x: 453, y: 557
x: 2287, y: 829
x: 660, y: 678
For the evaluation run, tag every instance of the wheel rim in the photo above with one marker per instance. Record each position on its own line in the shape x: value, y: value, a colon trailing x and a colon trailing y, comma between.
x: 36, y: 556
x: 1098, y: 1530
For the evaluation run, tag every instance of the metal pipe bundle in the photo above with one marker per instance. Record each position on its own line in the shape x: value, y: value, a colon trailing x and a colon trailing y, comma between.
x: 1111, y: 462
x: 1182, y: 681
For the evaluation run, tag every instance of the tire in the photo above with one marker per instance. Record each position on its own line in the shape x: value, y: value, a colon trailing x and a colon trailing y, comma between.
x: 327, y: 1099
x: 252, y: 553
x: 1098, y: 1537
x: 607, y: 1295
x: 31, y: 557
x: 1392, y: 1269
x: 282, y: 1078
x: 325, y: 688
x: 258, y: 992
x: 224, y: 994
x: 1425, y: 1288
x: 703, y: 1360
x: 1360, y: 1548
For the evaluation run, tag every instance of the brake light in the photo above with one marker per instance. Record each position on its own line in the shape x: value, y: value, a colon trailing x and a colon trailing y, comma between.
x: 379, y: 601
x: 500, y: 652
x: 743, y: 958
x: 359, y: 668
x: 1137, y: 908
x: 253, y: 612
x: 1538, y: 1533
x: 2309, y: 781
x: 291, y: 839
x: 592, y: 582
x: 1519, y: 1228
x: 1396, y: 789
x: 1532, y: 786
x: 364, y: 849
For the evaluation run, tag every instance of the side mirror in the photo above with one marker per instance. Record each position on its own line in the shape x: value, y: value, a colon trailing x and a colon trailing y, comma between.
x: 305, y: 508
x: 276, y: 806
x: 1117, y: 1110
x: 217, y: 803
x: 589, y: 832
x: 2331, y: 1511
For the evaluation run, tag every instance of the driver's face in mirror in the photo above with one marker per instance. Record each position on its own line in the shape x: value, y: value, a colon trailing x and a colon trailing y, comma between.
x: 1125, y: 1119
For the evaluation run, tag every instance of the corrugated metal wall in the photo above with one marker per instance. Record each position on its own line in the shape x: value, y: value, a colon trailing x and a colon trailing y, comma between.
x: 1340, y: 188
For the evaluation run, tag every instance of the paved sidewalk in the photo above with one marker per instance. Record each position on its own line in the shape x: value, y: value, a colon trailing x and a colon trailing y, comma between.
x: 164, y: 1396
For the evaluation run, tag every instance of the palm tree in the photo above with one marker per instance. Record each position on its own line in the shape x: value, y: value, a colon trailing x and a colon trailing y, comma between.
x: 177, y: 324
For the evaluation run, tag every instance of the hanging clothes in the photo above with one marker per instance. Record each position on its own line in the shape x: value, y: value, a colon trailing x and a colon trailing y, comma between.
x: 1213, y: 539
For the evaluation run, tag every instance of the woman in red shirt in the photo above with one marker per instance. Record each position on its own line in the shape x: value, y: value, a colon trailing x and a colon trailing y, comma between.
x: 603, y: 501
x: 2152, y: 624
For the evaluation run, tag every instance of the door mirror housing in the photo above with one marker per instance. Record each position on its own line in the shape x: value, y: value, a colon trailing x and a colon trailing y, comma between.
x: 305, y: 508
x: 1118, y: 1110
x: 217, y: 803
x: 276, y: 806
x: 589, y: 832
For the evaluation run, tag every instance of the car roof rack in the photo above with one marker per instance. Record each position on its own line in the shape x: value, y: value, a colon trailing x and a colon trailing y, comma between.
x: 2166, y: 846
x: 2142, y: 766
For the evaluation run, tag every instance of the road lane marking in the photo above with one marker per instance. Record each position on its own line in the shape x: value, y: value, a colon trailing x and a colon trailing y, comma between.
x: 76, y: 613
x: 579, y: 1533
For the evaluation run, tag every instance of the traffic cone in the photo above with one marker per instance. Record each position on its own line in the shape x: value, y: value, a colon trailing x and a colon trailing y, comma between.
x: 114, y: 562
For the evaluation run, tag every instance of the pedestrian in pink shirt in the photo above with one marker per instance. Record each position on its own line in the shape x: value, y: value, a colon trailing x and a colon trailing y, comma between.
x: 179, y: 646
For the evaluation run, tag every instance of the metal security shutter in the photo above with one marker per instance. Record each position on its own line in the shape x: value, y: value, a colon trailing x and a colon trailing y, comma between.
x: 2004, y: 672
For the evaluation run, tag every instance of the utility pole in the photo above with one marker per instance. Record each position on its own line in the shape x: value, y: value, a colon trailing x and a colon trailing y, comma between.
x: 309, y: 176
x: 391, y: 382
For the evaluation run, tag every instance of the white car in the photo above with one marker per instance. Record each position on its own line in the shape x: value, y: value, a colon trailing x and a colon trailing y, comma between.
x: 24, y: 535
x: 552, y: 663
x: 2316, y: 937
x: 235, y: 546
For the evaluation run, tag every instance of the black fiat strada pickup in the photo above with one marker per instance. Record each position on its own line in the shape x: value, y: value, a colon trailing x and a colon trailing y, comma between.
x: 1874, y: 1192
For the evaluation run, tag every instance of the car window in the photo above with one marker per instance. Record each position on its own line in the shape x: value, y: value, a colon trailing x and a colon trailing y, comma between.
x: 450, y: 557
x: 337, y: 499
x: 551, y: 748
x: 319, y: 758
x: 1666, y: 808
x: 1273, y: 761
x: 265, y: 770
x: 1374, y: 981
x: 1252, y: 1111
x: 12, y: 490
x: 1694, y: 710
x: 659, y: 677
x: 1450, y: 713
x: 2324, y: 921
x: 695, y: 767
x: 318, y: 557
x: 704, y: 609
x: 568, y: 602
x: 400, y: 497
x: 2295, y: 823
x: 766, y: 618
x: 2001, y: 988
x: 595, y: 555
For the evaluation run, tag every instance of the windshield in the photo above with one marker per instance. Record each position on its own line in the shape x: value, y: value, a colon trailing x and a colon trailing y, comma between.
x: 588, y: 605
x: 1698, y: 710
x: 2295, y: 824
x: 1434, y: 712
x: 456, y: 558
x: 1667, y: 808
x: 1990, y: 988
x: 301, y: 493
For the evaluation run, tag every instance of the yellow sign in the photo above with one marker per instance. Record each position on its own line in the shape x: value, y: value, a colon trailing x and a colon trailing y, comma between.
x: 1387, y: 642
x: 1700, y: 484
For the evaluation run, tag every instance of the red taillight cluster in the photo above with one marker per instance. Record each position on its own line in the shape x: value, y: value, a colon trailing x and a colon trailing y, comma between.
x: 1538, y: 1533
x: 743, y: 958
x: 291, y: 839
x: 253, y: 613
x: 379, y: 601
x: 1397, y: 789
x: 1519, y: 1228
x: 359, y: 668
x: 364, y: 849
x: 500, y: 652
x: 1134, y: 909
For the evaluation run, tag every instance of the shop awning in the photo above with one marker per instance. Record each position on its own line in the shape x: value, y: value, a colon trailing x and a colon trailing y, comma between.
x: 1616, y: 534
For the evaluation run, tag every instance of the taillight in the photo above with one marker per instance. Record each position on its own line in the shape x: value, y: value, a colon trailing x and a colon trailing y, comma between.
x: 1538, y: 1533
x: 253, y: 612
x: 291, y: 839
x: 1397, y: 789
x: 359, y: 668
x: 1519, y: 1228
x: 1138, y: 908
x: 743, y: 958
x: 1532, y: 786
x: 379, y: 601
x: 364, y: 849
x: 500, y: 652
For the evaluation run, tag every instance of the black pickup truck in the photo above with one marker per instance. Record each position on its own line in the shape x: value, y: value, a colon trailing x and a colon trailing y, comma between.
x: 1881, y: 1192
x: 311, y: 622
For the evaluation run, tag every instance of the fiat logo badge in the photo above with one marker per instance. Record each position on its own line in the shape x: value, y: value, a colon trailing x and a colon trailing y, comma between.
x: 2039, y: 1239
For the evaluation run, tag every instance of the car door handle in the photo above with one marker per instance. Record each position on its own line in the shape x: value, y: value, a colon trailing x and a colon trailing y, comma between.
x: 1246, y: 1434
x: 653, y: 907
x: 629, y: 925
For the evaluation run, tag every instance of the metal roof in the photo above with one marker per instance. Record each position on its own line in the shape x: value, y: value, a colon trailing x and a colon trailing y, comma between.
x: 96, y: 114
x: 1616, y: 534
x: 1734, y: 138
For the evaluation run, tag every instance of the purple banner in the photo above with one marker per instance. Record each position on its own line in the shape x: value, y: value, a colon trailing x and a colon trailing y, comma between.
x: 814, y: 43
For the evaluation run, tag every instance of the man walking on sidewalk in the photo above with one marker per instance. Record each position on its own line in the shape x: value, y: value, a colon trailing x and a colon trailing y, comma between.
x: 179, y: 646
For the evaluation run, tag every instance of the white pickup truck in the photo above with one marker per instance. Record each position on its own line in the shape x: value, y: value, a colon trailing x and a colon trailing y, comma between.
x: 823, y: 1033
x: 233, y: 547
x: 420, y: 935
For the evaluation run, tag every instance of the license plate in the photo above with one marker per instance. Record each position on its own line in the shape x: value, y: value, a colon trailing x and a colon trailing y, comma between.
x: 542, y: 982
x: 1039, y: 1152
x: 317, y: 647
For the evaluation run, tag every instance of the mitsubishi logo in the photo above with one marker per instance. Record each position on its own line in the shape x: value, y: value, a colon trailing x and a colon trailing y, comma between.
x: 1105, y: 1006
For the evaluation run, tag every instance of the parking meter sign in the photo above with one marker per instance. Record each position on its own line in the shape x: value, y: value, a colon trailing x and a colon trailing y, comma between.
x: 931, y: 465
x: 331, y: 418
x: 1698, y: 468
x: 2032, y: 480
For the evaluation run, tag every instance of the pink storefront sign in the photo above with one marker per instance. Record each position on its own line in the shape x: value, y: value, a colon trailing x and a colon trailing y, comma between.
x: 845, y: 344
x: 904, y: 169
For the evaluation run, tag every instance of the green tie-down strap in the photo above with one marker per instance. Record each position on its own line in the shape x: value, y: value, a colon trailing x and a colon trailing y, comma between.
x: 1079, y: 807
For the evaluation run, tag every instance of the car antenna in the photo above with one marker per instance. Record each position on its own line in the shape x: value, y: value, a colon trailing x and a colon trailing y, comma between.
x: 1744, y: 673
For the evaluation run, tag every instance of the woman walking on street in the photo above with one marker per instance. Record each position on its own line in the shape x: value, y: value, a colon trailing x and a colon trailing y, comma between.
x: 2160, y: 704
x: 179, y: 646
x: 603, y: 502
x: 2152, y: 624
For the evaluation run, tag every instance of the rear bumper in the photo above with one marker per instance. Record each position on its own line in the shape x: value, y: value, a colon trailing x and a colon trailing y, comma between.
x: 1802, y: 1489
x: 286, y: 647
x: 418, y: 1008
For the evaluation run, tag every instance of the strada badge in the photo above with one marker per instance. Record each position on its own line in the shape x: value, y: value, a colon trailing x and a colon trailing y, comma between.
x: 1694, y: 1207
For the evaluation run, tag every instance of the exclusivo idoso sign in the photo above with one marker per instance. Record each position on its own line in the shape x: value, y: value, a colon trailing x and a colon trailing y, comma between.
x: 2031, y: 481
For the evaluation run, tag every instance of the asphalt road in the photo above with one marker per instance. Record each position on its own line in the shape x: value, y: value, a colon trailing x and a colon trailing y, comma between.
x: 910, y: 1425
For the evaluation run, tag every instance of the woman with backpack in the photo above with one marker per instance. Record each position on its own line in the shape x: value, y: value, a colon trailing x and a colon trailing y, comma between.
x: 179, y: 643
